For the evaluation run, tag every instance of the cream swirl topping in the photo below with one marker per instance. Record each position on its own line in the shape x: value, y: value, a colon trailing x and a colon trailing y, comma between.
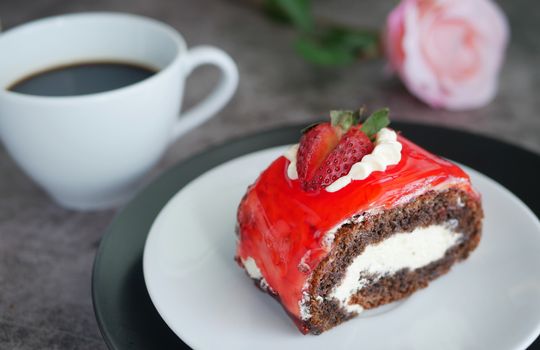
x: 387, y: 152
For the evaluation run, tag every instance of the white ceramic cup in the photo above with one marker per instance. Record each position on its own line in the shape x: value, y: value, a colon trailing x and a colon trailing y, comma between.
x: 92, y: 151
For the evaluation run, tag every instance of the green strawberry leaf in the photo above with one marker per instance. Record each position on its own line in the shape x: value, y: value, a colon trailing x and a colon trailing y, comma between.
x: 375, y: 122
x: 309, y: 127
x: 344, y: 119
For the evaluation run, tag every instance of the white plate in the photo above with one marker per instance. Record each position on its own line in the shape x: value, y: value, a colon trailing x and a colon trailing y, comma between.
x: 490, y: 301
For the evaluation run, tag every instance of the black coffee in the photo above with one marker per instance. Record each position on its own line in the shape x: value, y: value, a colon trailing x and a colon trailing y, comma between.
x: 81, y: 79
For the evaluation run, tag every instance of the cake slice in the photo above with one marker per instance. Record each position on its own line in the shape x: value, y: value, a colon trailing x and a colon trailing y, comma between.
x: 354, y: 217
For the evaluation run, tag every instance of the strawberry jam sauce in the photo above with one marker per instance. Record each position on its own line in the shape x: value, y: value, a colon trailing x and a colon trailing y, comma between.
x: 283, y: 227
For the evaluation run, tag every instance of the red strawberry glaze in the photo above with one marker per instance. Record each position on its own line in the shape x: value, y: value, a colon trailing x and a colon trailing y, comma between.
x: 282, y: 227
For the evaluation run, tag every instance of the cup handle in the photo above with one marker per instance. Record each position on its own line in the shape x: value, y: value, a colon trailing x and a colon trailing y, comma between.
x: 221, y: 94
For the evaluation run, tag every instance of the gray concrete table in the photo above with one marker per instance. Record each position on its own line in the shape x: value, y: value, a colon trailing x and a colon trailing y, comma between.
x: 46, y: 252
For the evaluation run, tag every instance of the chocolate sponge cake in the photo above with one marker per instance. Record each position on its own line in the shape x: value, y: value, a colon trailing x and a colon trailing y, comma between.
x: 354, y: 217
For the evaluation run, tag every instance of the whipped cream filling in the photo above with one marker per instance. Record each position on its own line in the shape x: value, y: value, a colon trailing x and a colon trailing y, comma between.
x: 404, y: 250
x: 387, y: 151
x: 254, y: 272
x: 251, y: 268
x: 330, y: 235
x: 303, y: 305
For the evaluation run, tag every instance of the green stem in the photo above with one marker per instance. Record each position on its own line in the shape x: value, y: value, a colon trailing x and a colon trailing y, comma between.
x: 322, y: 41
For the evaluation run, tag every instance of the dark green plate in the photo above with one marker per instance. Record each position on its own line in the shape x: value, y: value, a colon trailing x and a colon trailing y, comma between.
x: 124, y: 312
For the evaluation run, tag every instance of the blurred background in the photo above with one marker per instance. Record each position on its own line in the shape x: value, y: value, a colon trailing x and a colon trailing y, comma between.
x: 46, y: 252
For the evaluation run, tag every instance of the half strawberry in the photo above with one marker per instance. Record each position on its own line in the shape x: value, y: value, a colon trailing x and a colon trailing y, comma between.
x: 327, y: 151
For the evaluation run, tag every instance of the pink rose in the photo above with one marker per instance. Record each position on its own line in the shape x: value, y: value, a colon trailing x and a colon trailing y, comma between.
x: 448, y: 52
